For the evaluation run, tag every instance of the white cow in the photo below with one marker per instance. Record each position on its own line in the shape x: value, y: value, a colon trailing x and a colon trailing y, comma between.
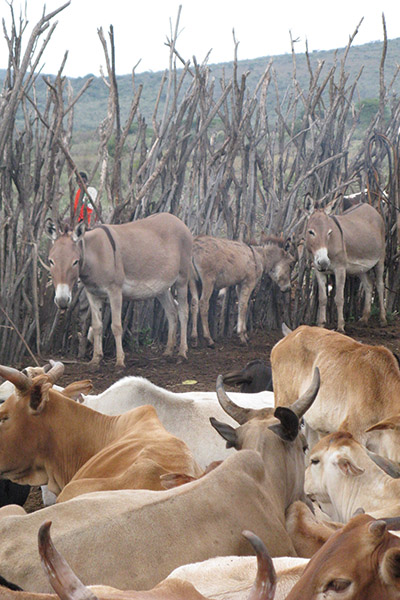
x: 233, y: 576
x: 342, y: 478
x: 185, y: 415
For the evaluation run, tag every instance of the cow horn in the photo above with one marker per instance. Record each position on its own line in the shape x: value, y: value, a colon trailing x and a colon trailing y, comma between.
x: 238, y: 413
x: 302, y: 404
x: 61, y: 577
x: 21, y: 381
x: 378, y: 528
x: 56, y: 371
x: 388, y: 466
x: 265, y: 583
x: 392, y: 523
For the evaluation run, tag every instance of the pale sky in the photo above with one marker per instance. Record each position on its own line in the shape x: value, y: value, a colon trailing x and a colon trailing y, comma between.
x: 140, y: 29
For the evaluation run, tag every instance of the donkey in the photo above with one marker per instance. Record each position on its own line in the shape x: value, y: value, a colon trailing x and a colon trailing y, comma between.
x: 352, y: 243
x: 220, y: 263
x: 138, y: 260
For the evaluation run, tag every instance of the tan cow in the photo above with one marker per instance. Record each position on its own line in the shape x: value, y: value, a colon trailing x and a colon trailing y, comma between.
x: 360, y: 384
x: 46, y: 438
x: 220, y: 263
x: 106, y: 533
x: 137, y: 260
x: 359, y: 562
x: 341, y: 477
x: 69, y: 587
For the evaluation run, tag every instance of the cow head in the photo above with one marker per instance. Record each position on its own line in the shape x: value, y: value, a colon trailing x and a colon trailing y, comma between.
x: 64, y: 259
x: 21, y: 437
x: 359, y: 562
x: 272, y: 432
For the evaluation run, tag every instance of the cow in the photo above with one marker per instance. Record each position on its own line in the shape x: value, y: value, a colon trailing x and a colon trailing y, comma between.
x: 74, y: 449
x: 68, y: 586
x: 219, y: 263
x: 199, y: 520
x: 185, y: 414
x: 138, y: 260
x: 352, y: 243
x: 225, y: 577
x: 341, y: 477
x: 256, y: 376
x: 360, y: 385
x: 358, y: 562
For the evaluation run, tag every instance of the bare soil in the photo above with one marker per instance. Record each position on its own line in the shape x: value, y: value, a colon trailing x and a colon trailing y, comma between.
x: 204, y: 364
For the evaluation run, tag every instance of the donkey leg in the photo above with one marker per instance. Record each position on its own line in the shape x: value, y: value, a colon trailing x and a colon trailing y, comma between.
x: 244, y: 296
x: 168, y: 304
x: 183, y: 313
x: 381, y: 291
x: 206, y: 292
x: 194, y: 312
x: 115, y: 296
x: 96, y: 305
x: 321, y: 279
x: 367, y: 287
x: 340, y: 278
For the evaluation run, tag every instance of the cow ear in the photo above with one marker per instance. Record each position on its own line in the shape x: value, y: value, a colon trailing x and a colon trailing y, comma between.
x: 390, y: 423
x: 39, y: 395
x: 79, y: 231
x: 348, y: 467
x: 227, y: 432
x: 289, y: 425
x: 50, y: 229
x: 74, y: 390
x: 390, y: 567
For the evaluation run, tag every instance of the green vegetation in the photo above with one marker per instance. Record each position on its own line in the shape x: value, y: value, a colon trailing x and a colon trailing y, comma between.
x: 92, y: 107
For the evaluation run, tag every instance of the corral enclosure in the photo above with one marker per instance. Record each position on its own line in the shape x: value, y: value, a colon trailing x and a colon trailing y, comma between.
x: 213, y: 153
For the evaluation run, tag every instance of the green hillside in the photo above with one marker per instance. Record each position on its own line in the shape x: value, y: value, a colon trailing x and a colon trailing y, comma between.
x: 92, y: 107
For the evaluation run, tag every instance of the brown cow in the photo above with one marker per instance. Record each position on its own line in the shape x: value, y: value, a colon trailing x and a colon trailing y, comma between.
x: 137, y: 260
x: 360, y: 384
x: 359, y: 562
x: 46, y: 438
x: 106, y: 533
x: 220, y: 263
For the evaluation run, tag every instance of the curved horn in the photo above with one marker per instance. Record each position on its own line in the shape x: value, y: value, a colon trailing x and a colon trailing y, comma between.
x: 60, y: 575
x: 238, y: 413
x: 21, y: 381
x: 303, y: 403
x: 392, y: 523
x: 56, y: 371
x: 388, y: 466
x: 378, y: 528
x: 265, y: 583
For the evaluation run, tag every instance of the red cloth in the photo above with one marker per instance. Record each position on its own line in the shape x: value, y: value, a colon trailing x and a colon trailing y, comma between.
x: 82, y: 211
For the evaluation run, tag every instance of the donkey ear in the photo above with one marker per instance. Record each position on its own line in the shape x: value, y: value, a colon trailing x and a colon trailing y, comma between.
x: 309, y: 203
x: 79, y: 231
x: 50, y: 229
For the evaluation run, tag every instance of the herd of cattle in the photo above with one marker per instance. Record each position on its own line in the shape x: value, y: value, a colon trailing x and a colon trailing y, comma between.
x: 152, y: 494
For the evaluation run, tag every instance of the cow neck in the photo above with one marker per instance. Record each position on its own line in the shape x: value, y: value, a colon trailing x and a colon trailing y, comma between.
x: 85, y: 432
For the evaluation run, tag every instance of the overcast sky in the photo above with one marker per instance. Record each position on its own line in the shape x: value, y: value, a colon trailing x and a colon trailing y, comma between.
x: 140, y: 29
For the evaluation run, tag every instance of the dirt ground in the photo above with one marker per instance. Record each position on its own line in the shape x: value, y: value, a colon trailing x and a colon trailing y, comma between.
x: 204, y: 364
